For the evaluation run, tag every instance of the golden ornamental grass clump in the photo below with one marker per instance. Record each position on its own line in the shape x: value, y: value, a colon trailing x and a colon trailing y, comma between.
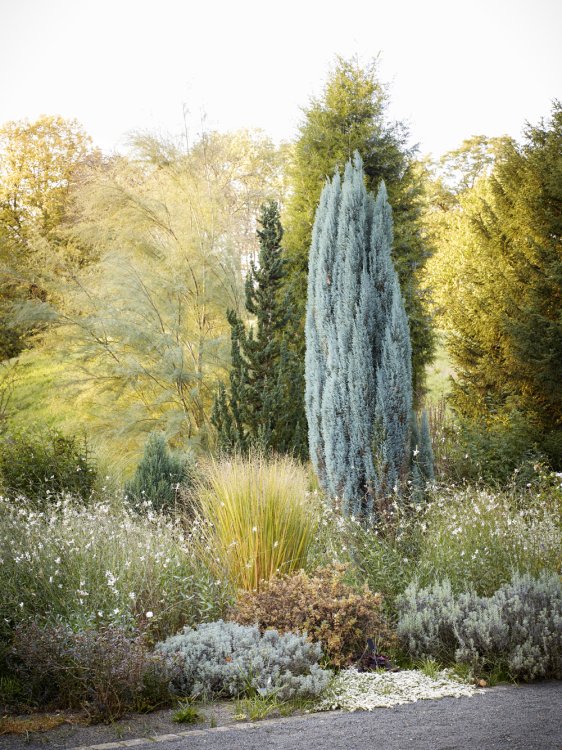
x: 258, y: 515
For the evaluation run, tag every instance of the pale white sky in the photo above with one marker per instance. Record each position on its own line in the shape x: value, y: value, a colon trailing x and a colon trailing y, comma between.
x: 455, y: 68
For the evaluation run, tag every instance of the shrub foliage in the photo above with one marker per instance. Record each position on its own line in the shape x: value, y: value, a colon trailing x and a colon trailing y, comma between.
x: 517, y: 630
x: 100, y: 566
x: 224, y: 659
x: 158, y: 475
x: 44, y: 463
x: 103, y: 671
x: 321, y: 605
x: 476, y: 537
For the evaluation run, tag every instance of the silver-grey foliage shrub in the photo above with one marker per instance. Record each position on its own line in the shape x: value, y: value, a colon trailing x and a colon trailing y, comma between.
x: 428, y: 619
x: 358, y: 354
x: 226, y: 659
x: 518, y: 629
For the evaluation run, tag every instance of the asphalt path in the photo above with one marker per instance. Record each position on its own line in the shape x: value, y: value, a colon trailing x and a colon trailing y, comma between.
x: 524, y: 717
x: 527, y: 717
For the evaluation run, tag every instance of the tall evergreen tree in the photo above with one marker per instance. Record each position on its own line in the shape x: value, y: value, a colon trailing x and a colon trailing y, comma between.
x: 393, y: 409
x: 358, y: 352
x: 504, y: 321
x: 261, y: 407
x: 351, y: 116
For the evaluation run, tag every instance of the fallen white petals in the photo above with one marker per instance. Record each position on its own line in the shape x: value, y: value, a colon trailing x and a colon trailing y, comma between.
x: 353, y: 691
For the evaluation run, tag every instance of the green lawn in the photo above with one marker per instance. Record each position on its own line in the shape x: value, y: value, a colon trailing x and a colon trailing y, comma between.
x: 439, y: 372
x: 40, y: 395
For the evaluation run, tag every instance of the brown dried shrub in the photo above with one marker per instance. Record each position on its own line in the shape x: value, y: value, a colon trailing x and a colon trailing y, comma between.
x: 330, y: 611
x: 104, y: 672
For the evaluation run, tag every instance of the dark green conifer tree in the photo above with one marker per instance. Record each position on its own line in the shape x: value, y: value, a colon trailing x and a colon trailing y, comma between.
x: 506, y: 324
x: 261, y: 408
x: 351, y: 116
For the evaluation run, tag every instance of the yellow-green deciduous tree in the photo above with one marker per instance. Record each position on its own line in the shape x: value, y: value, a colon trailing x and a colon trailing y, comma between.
x: 174, y: 232
x: 39, y: 163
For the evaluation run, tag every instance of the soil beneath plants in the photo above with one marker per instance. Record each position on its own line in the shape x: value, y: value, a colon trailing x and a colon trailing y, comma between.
x: 524, y: 717
x: 73, y: 730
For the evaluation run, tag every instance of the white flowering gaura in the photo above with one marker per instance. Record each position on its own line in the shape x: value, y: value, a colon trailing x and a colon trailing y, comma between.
x: 109, y: 562
x: 351, y: 690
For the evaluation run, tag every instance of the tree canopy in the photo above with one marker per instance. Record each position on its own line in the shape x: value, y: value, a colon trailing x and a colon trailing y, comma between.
x: 500, y: 286
x: 351, y: 115
x: 260, y: 410
x: 39, y: 164
x: 146, y: 324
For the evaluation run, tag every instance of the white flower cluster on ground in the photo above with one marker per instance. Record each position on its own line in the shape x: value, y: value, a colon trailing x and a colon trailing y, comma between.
x: 353, y: 691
